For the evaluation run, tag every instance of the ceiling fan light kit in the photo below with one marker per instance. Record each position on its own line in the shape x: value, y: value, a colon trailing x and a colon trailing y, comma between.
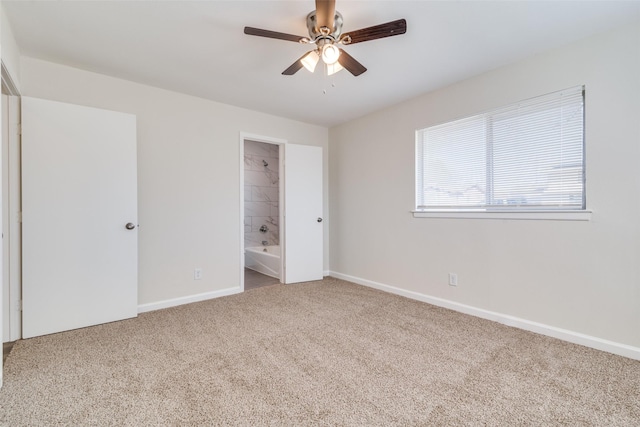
x: 330, y: 54
x: 333, y: 68
x: 310, y: 60
x: 325, y: 31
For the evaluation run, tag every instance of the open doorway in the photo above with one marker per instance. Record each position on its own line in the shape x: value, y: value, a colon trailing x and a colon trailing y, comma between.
x: 262, y: 218
x: 291, y: 241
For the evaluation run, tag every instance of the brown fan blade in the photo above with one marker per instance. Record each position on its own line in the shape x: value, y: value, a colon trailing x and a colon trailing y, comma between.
x: 392, y: 28
x: 295, y: 67
x: 272, y: 34
x: 348, y: 62
x: 325, y: 13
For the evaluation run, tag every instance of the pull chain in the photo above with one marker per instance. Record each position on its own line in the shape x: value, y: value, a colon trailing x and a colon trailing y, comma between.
x: 326, y: 80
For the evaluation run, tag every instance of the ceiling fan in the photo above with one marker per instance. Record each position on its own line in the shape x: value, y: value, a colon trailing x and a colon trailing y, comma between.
x: 325, y: 31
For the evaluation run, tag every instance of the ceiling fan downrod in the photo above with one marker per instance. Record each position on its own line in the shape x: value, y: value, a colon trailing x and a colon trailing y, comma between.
x: 319, y: 33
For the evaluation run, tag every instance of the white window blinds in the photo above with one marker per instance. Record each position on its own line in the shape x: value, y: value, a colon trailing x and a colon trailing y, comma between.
x: 526, y: 156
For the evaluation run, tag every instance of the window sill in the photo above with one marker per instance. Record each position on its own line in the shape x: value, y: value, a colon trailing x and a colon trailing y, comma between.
x: 555, y: 215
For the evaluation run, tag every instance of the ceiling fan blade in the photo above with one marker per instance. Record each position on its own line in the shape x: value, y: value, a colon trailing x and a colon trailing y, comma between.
x: 273, y: 34
x: 325, y: 13
x: 348, y: 62
x: 295, y: 67
x: 388, y: 29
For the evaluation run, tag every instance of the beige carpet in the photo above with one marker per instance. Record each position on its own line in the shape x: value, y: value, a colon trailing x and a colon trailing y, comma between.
x: 321, y: 353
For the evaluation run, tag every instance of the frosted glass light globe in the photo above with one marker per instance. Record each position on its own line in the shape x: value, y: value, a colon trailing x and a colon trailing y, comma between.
x: 330, y: 54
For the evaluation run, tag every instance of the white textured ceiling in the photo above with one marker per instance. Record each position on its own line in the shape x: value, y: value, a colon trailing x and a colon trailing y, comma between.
x: 198, y: 47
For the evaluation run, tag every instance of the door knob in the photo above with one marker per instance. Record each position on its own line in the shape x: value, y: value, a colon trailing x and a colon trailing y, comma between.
x: 130, y: 226
x: 319, y: 219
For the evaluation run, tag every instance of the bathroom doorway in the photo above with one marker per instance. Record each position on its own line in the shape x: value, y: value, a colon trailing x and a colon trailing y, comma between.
x: 281, y: 211
x: 262, y: 192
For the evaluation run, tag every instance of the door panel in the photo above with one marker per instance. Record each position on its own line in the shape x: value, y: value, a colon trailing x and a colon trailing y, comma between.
x: 79, y: 191
x: 303, y: 209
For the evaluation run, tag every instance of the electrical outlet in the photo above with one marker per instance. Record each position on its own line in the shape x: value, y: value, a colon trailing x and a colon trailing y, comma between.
x: 197, y: 274
x: 453, y: 279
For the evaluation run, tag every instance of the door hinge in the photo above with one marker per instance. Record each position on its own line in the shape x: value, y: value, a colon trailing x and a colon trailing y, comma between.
x: 19, y: 217
x: 19, y: 305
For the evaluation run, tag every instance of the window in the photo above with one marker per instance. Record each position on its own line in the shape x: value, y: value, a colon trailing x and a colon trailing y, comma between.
x: 526, y: 157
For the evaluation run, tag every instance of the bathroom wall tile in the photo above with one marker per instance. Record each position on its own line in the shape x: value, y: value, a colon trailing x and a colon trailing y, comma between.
x: 274, y: 150
x: 257, y: 209
x: 258, y: 224
x: 273, y: 178
x: 253, y: 164
x: 250, y: 163
x: 257, y: 164
x: 259, y: 221
x: 252, y: 240
x: 251, y: 147
x: 258, y: 178
x: 255, y: 227
x: 258, y: 148
x: 272, y: 237
x: 270, y: 221
x: 264, y: 194
x: 261, y: 193
x: 262, y: 149
x: 255, y: 239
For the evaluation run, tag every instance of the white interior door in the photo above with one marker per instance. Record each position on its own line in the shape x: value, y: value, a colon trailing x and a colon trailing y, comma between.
x: 79, y: 184
x: 303, y: 213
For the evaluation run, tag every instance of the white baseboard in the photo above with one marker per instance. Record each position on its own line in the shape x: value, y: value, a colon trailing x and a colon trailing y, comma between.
x: 551, y: 331
x: 152, y: 306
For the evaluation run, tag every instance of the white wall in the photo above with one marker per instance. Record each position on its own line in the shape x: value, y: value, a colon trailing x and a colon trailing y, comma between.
x: 583, y: 277
x: 188, y: 173
x: 10, y: 51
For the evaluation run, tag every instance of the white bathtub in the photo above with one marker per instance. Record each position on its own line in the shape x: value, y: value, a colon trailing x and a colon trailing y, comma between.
x: 263, y: 259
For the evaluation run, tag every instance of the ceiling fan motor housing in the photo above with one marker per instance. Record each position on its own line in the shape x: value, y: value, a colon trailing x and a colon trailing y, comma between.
x: 316, y: 34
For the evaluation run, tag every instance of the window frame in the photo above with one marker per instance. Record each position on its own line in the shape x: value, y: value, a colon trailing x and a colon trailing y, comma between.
x: 491, y: 211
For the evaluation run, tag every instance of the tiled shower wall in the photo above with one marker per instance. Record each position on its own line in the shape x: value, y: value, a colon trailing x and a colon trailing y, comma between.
x: 261, y: 193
